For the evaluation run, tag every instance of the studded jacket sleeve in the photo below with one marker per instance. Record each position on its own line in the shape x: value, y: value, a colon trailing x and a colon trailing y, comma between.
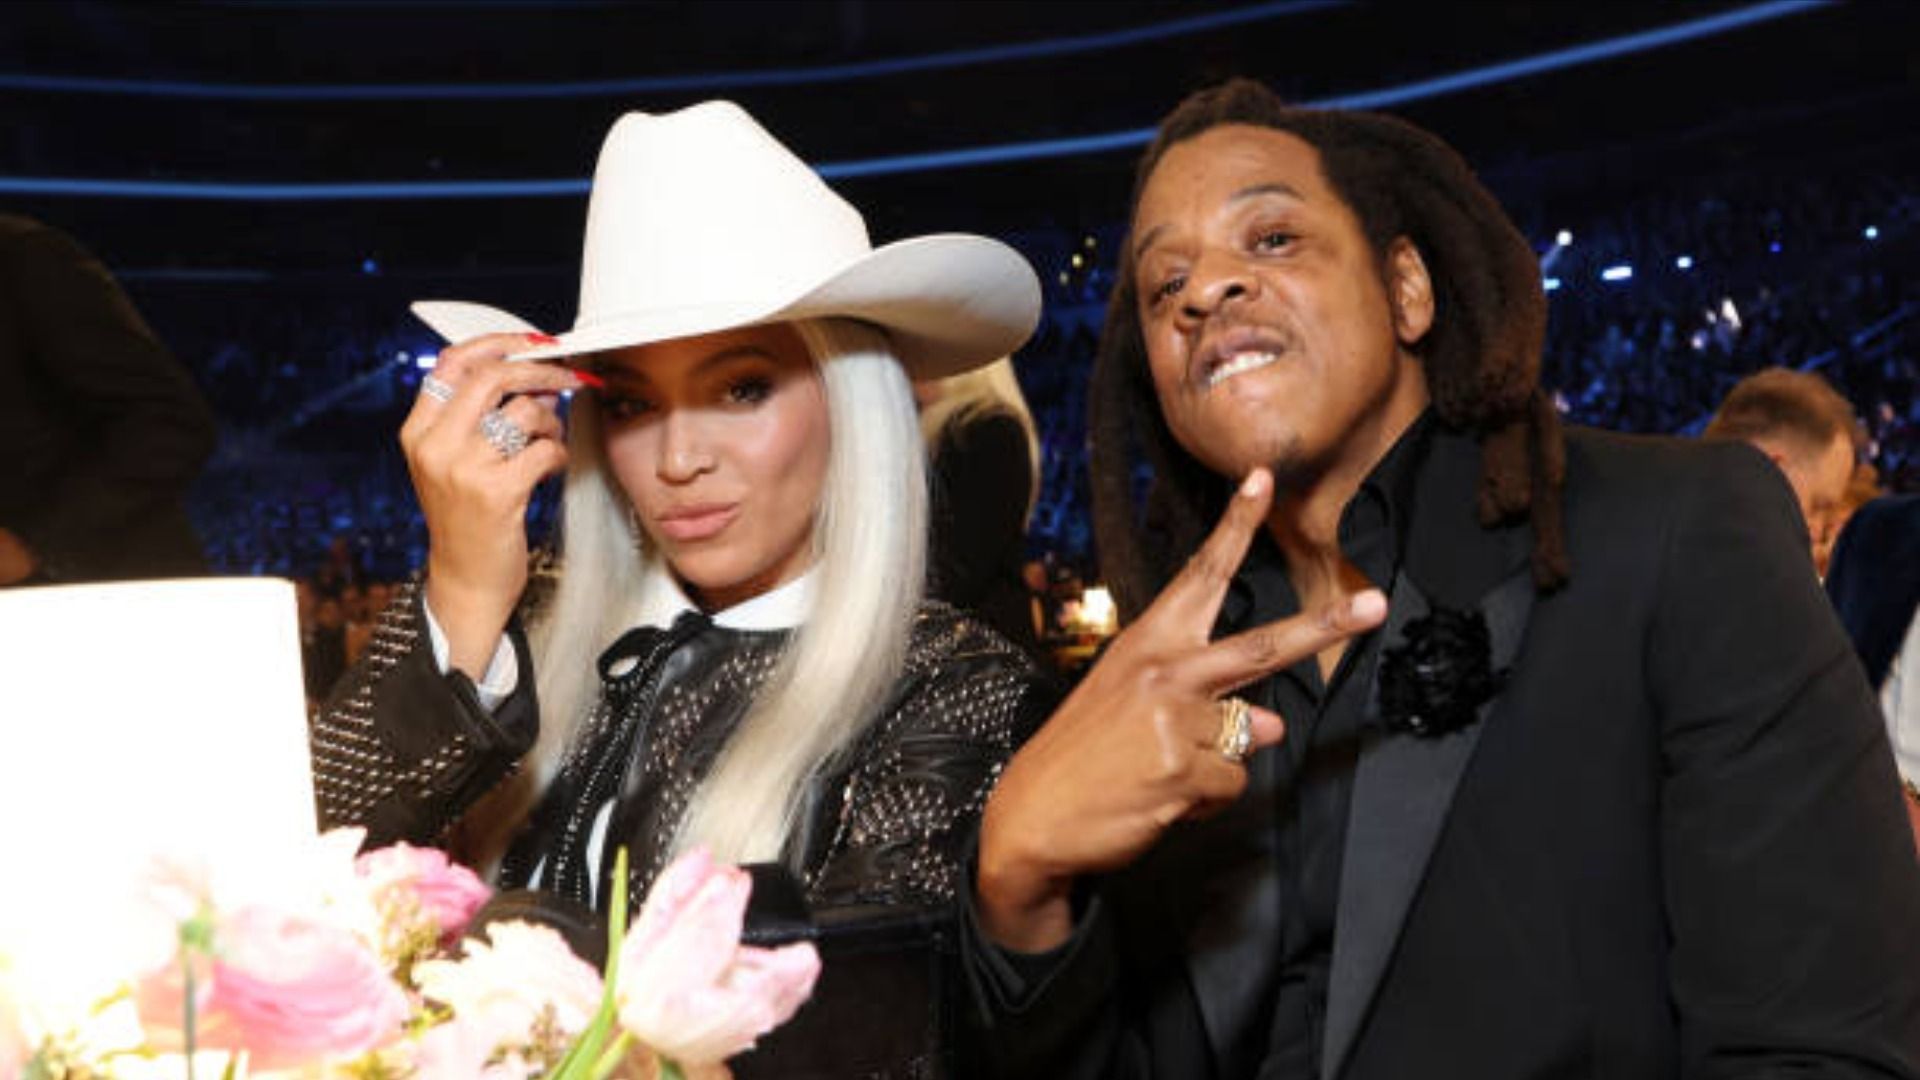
x: 401, y: 748
x: 908, y: 809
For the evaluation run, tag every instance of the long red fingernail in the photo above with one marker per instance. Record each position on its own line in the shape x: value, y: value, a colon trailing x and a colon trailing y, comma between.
x: 543, y: 339
x: 588, y: 378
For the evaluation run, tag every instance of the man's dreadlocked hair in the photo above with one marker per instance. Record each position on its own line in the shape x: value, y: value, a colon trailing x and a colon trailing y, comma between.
x: 1482, y: 354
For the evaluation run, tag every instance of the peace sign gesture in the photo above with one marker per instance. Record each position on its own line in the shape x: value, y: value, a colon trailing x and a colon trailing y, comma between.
x: 1145, y: 739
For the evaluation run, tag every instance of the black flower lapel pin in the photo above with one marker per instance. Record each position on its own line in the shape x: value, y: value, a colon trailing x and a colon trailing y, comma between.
x: 1436, y: 679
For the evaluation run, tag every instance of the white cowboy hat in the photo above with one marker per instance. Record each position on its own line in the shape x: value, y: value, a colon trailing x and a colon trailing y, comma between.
x: 701, y: 221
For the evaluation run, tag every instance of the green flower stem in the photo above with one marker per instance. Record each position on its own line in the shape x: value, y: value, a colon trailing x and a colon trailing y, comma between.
x: 584, y: 1057
x: 187, y: 1007
x: 614, y: 1055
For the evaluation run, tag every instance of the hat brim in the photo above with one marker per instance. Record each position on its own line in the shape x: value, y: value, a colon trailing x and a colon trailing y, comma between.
x: 948, y: 303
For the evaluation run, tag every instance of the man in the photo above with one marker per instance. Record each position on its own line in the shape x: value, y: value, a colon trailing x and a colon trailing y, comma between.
x: 103, y: 429
x: 1805, y: 427
x: 1602, y: 795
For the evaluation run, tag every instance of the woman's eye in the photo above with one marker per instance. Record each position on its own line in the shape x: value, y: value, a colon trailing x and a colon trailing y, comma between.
x: 1168, y: 288
x: 750, y: 391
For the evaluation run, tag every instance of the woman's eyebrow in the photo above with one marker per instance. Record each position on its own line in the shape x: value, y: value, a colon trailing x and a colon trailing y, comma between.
x: 626, y: 373
x: 737, y: 352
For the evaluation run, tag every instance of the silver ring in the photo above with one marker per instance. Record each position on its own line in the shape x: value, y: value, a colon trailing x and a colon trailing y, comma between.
x: 436, y: 389
x: 1236, y: 729
x: 502, y: 433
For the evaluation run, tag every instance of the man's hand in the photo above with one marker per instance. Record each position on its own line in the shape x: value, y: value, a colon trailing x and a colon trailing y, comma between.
x: 17, y: 560
x: 1136, y: 746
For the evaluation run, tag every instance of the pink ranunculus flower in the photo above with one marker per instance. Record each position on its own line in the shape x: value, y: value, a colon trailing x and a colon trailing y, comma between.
x: 687, y: 987
x: 443, y: 890
x: 499, y: 991
x: 290, y: 990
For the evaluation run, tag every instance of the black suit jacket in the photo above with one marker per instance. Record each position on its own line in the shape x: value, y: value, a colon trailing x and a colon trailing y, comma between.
x: 102, y: 430
x: 1875, y: 579
x: 1672, y: 846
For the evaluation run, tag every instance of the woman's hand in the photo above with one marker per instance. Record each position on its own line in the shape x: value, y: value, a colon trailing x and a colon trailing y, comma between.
x: 1137, y: 746
x: 474, y: 494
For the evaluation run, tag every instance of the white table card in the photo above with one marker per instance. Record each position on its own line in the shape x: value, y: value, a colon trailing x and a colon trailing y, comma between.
x: 139, y: 720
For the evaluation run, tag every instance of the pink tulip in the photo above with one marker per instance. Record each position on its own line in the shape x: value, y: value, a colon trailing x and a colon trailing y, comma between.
x: 404, y: 876
x: 687, y: 987
x: 288, y: 989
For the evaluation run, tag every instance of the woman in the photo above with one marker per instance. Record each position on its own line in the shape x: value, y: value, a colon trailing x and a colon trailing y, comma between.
x: 734, y: 652
x: 986, y: 476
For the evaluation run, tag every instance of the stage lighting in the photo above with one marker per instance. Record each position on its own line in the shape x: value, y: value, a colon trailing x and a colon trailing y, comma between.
x: 425, y: 361
x: 1774, y: 247
x: 1684, y: 262
x: 1552, y: 283
x: 1623, y: 272
x: 1563, y: 238
x: 1871, y: 232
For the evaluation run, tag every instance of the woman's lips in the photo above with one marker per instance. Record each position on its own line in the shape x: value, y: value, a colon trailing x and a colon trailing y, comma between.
x: 697, y: 522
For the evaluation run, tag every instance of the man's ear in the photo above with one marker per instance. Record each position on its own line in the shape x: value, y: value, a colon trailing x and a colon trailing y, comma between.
x: 1410, y: 291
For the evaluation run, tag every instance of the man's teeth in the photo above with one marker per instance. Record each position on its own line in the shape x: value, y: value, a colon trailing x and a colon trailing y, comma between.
x: 1240, y: 364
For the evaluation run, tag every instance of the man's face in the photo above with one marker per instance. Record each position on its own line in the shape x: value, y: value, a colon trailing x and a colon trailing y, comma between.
x: 1271, y: 335
x: 1818, y: 476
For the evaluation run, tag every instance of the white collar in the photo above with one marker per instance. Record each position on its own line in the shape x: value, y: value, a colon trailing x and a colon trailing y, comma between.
x: 782, y: 608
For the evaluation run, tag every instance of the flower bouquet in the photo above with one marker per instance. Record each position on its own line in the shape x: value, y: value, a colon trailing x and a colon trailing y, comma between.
x: 358, y: 966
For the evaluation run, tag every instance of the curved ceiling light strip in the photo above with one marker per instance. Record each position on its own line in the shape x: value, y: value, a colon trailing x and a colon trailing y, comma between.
x: 1471, y: 78
x: 699, y: 82
x: 968, y: 157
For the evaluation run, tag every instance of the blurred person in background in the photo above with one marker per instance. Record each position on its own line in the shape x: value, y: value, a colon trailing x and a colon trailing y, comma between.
x: 1875, y: 586
x: 1862, y: 488
x: 984, y: 461
x: 1806, y: 428
x: 103, y: 429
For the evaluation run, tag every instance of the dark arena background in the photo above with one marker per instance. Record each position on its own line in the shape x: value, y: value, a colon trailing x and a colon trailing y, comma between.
x: 1712, y: 188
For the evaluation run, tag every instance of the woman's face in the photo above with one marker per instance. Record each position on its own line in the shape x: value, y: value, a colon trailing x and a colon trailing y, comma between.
x: 721, y: 444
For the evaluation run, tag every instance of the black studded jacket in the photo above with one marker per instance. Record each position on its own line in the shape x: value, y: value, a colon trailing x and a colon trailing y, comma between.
x: 406, y: 750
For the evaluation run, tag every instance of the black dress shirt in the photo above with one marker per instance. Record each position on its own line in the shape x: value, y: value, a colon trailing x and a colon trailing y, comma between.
x: 1325, y: 719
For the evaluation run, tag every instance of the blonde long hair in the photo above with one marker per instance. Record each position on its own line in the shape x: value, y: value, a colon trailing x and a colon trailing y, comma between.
x: 869, y: 536
x: 992, y: 388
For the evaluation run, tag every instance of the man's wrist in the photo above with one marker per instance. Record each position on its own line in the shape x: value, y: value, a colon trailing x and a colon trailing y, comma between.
x: 1021, y: 908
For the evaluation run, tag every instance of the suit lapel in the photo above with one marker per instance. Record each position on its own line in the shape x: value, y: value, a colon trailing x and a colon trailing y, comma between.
x: 1404, y: 785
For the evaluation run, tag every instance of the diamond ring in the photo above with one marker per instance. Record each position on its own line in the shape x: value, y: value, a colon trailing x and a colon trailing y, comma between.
x: 502, y: 433
x: 1236, y: 729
